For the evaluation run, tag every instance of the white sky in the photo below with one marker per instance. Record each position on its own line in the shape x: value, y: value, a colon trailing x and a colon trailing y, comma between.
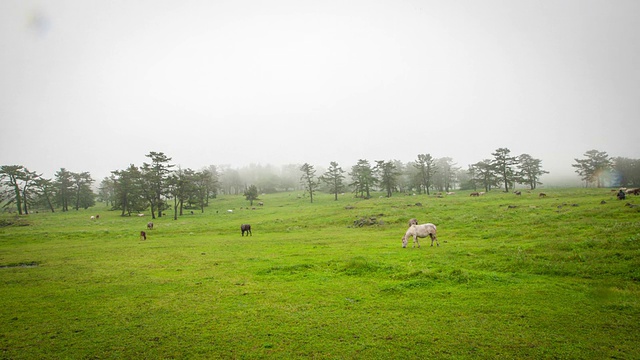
x: 95, y: 85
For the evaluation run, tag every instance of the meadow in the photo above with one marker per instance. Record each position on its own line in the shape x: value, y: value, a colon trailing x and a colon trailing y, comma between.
x: 515, y: 277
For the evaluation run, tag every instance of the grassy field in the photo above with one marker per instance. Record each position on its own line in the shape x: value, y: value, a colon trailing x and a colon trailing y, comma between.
x: 514, y: 277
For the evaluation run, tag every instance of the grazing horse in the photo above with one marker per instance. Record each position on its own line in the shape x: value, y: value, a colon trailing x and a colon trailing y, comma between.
x: 474, y: 194
x: 150, y: 225
x: 246, y: 228
x: 420, y: 231
x: 542, y: 195
x: 143, y: 235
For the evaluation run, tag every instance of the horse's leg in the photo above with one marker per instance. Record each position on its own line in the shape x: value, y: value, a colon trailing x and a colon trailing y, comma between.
x: 415, y: 241
x: 434, y: 237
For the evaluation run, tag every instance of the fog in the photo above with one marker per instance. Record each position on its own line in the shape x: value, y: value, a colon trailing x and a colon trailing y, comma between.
x: 96, y: 85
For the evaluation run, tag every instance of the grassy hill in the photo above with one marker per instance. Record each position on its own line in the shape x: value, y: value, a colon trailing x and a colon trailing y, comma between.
x: 514, y: 277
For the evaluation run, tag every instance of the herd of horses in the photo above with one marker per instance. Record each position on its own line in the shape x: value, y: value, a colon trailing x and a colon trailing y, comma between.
x: 415, y: 230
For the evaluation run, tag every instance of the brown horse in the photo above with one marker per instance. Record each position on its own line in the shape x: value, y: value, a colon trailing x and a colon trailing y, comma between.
x: 246, y: 228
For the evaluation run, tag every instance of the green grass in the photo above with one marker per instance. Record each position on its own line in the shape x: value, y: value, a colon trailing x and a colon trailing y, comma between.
x: 555, y: 277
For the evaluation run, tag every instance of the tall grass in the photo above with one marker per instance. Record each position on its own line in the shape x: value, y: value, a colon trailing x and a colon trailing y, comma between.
x: 514, y: 277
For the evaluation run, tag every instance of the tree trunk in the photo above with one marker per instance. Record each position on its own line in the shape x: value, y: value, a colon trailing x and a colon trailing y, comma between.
x: 18, y: 197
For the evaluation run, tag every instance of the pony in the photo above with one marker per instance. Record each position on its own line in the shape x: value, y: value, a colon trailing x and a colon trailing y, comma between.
x: 420, y: 231
x: 246, y: 228
x: 143, y: 235
x: 150, y: 225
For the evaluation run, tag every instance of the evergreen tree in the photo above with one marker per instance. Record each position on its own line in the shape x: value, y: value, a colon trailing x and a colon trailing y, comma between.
x: 387, y: 176
x: 426, y: 169
x: 106, y: 190
x: 592, y: 168
x: 128, y: 190
x: 333, y: 178
x: 484, y: 173
x: 155, y: 178
x: 251, y: 194
x: 445, y: 178
x: 503, y: 164
x: 308, y: 179
x: 82, y: 193
x: 9, y: 176
x: 627, y: 171
x: 45, y: 191
x: 529, y: 171
x: 363, y: 179
x: 64, y: 188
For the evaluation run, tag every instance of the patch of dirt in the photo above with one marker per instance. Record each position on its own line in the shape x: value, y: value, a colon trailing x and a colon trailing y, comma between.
x: 21, y: 265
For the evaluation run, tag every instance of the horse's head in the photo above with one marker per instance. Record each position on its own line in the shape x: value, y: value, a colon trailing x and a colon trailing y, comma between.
x: 404, y: 241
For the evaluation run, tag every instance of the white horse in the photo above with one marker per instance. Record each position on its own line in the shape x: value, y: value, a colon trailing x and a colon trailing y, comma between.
x: 420, y: 231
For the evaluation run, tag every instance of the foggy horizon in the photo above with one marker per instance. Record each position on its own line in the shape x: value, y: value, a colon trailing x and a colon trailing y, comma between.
x: 95, y: 86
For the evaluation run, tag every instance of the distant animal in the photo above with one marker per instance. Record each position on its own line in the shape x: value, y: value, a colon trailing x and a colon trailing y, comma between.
x: 542, y: 195
x: 93, y: 217
x: 246, y: 228
x: 621, y: 195
x: 474, y: 194
x: 517, y: 193
x: 633, y: 191
x: 229, y: 211
x: 451, y: 193
x: 260, y: 203
x: 150, y: 225
x: 420, y: 231
x: 140, y: 215
x: 413, y: 221
x: 143, y: 235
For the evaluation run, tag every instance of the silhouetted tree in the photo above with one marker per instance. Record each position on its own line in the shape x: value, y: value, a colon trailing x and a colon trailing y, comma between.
x: 308, y: 179
x: 251, y: 194
x: 204, y: 186
x: 128, y: 188
x: 155, y: 176
x: 426, y: 169
x: 82, y: 193
x: 9, y: 176
x: 445, y: 178
x: 45, y: 191
x: 106, y: 190
x: 387, y: 176
x: 64, y: 188
x: 503, y: 165
x: 627, y: 170
x: 363, y: 179
x: 592, y: 168
x: 484, y: 173
x: 529, y: 171
x: 333, y: 178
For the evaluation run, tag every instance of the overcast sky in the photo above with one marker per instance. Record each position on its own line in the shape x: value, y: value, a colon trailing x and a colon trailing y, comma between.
x: 95, y: 85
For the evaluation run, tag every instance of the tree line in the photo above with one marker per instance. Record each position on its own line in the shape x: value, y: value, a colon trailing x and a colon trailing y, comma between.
x: 158, y: 185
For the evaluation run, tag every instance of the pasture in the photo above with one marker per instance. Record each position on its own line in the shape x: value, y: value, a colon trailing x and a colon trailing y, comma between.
x: 514, y: 277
